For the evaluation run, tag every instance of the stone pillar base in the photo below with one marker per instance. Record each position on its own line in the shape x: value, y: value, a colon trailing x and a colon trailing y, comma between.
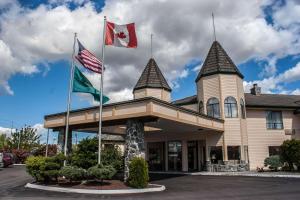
x: 134, y: 143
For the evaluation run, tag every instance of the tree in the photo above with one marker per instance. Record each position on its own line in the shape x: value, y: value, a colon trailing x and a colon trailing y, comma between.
x: 290, y: 153
x: 85, y: 155
x: 26, y: 138
x: 3, y: 141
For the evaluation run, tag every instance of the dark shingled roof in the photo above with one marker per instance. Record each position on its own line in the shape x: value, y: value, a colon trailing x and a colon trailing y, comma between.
x: 218, y: 62
x: 272, y: 100
x: 263, y: 101
x: 186, y: 100
x: 152, y: 77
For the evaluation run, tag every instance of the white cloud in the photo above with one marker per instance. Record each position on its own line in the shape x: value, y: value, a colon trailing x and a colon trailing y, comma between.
x: 6, y: 131
x: 296, y: 92
x: 268, y: 85
x: 45, y: 34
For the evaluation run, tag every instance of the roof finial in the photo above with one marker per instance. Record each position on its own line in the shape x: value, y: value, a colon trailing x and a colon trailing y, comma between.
x: 151, y: 45
x: 213, y: 21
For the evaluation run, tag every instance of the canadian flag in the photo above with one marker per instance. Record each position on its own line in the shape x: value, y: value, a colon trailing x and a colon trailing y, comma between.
x: 120, y: 35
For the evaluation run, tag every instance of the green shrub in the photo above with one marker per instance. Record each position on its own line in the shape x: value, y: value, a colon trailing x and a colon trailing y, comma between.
x: 138, y: 173
x: 273, y: 162
x: 72, y: 173
x: 113, y: 156
x: 290, y: 153
x: 33, y: 165
x: 85, y: 156
x: 101, y: 172
x: 44, y: 169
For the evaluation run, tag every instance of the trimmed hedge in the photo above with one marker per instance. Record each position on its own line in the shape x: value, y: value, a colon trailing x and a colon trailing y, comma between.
x: 72, y: 173
x: 101, y: 172
x: 138, y: 173
x: 44, y: 169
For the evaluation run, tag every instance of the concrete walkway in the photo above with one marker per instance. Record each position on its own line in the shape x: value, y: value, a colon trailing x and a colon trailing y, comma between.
x: 251, y: 173
x: 248, y: 173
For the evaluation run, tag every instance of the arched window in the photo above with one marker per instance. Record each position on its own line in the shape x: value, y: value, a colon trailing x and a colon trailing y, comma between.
x: 243, y: 112
x: 213, y: 108
x: 230, y: 107
x: 200, y: 107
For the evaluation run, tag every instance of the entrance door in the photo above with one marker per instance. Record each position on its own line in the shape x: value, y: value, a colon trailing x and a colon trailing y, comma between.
x: 175, y: 156
x: 192, y: 155
x: 156, y: 156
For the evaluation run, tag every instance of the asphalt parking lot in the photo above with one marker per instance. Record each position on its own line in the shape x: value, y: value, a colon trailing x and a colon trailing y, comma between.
x: 12, y: 181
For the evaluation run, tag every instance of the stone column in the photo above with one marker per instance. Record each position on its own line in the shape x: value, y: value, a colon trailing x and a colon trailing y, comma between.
x: 60, y: 141
x: 134, y: 143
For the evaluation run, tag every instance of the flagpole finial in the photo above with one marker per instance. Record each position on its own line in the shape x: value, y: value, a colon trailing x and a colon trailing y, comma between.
x: 214, y: 28
x: 151, y: 36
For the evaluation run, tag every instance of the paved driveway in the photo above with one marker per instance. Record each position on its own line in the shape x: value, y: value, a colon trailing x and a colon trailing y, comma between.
x: 12, y: 182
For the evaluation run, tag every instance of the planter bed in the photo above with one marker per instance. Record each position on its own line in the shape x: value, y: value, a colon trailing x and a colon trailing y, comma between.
x: 93, y: 187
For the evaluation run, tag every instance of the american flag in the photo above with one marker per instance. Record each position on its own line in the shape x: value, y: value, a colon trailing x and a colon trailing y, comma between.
x: 88, y: 60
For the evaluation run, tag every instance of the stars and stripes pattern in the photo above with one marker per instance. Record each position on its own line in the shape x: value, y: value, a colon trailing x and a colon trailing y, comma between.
x: 88, y: 60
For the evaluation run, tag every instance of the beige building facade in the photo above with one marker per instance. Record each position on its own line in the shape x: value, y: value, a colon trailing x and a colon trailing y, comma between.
x: 220, y: 128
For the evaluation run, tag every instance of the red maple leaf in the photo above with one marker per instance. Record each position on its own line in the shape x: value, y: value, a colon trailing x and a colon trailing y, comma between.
x: 121, y: 35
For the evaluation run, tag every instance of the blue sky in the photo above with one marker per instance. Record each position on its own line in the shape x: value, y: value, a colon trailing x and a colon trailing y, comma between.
x: 42, y: 89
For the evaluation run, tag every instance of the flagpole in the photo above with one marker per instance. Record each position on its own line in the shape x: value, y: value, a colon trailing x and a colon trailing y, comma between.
x: 69, y: 99
x: 101, y: 95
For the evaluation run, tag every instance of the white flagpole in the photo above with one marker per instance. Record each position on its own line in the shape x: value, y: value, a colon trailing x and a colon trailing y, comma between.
x: 101, y: 94
x: 47, y: 143
x: 69, y: 98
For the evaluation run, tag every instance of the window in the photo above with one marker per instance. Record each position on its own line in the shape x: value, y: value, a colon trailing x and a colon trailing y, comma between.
x: 200, y: 107
x: 243, y: 112
x: 213, y: 109
x: 274, y: 120
x: 233, y: 152
x: 274, y: 150
x: 216, y: 154
x: 230, y: 107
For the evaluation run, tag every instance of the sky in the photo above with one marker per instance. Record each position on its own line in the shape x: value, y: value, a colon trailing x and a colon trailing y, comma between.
x: 36, y: 39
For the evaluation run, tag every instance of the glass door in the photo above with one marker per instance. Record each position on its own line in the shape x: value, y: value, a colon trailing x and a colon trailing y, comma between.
x: 175, y: 156
x: 156, y: 156
x: 192, y: 155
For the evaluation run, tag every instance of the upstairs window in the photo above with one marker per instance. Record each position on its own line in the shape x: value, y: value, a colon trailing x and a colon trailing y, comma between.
x: 274, y: 120
x: 230, y: 107
x: 213, y: 107
x: 243, y: 112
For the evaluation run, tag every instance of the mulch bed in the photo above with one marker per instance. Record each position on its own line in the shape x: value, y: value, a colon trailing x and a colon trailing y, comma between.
x: 105, y: 185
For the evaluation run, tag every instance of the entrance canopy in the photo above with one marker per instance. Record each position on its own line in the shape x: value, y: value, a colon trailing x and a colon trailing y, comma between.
x: 156, y: 114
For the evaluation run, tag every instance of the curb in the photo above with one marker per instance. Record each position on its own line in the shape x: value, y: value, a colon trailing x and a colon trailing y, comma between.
x: 19, y: 164
x: 89, y: 191
x: 251, y: 175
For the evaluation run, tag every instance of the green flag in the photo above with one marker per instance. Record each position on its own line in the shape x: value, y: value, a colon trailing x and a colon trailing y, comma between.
x: 82, y: 84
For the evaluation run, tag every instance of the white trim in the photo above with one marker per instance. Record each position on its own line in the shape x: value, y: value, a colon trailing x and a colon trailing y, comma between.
x: 95, y: 191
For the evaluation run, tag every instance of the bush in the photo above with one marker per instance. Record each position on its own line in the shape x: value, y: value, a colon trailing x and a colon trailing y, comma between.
x: 33, y: 165
x: 44, y: 169
x: 138, y: 173
x: 20, y: 155
x: 273, y: 162
x: 113, y: 156
x: 41, y: 150
x: 101, y: 172
x: 290, y: 153
x: 85, y: 156
x: 72, y: 173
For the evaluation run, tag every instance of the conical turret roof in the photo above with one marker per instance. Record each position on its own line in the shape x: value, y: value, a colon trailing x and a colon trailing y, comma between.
x: 218, y: 62
x: 152, y: 77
